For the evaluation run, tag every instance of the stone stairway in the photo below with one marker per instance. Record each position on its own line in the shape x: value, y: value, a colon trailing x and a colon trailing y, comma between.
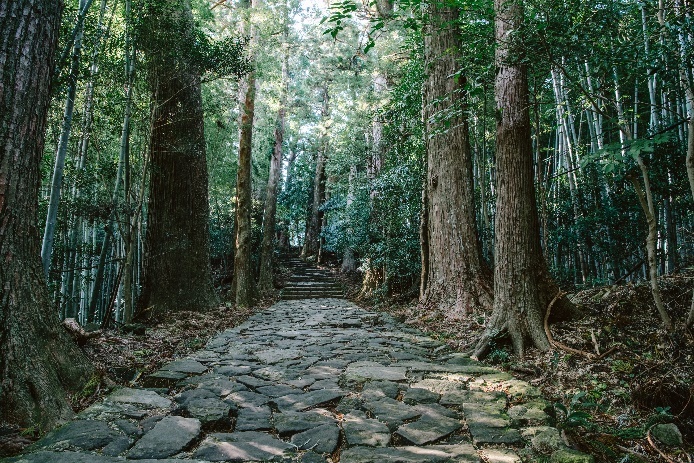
x: 309, y: 282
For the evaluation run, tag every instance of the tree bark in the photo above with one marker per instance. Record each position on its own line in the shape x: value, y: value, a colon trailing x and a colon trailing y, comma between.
x: 39, y: 364
x: 267, y: 245
x: 522, y: 284
x: 177, y: 271
x: 313, y: 230
x: 455, y: 278
x: 349, y: 263
x: 646, y: 201
x: 243, y: 277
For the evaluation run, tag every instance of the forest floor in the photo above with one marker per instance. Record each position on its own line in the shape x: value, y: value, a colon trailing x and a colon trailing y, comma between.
x: 605, y: 406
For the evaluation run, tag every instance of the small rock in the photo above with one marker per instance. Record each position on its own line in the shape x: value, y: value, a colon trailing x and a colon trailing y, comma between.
x: 547, y: 441
x: 668, y: 434
x: 500, y: 456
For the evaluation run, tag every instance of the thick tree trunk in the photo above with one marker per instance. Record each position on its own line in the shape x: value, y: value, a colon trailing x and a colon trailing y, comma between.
x: 39, y: 364
x: 456, y: 280
x: 522, y: 285
x: 267, y: 246
x: 690, y: 175
x: 242, y: 283
x: 315, y: 223
x: 178, y: 274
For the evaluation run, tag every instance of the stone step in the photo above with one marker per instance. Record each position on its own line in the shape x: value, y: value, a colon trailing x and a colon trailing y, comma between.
x: 312, y: 296
x: 307, y: 283
x: 311, y: 290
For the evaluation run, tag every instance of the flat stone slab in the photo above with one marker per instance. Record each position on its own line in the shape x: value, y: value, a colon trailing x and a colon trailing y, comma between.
x: 298, y: 402
x: 417, y: 395
x: 186, y: 396
x: 254, y: 419
x: 381, y: 389
x: 139, y: 397
x: 241, y: 447
x: 164, y: 378
x: 487, y: 435
x: 271, y: 356
x: 440, y: 386
x: 189, y: 366
x: 321, y: 439
x: 360, y: 372
x: 81, y: 434
x: 248, y: 399
x: 360, y: 430
x: 293, y: 422
x: 459, y: 397
x: 461, y: 453
x: 209, y: 411
x: 392, y: 411
x: 61, y: 457
x: 428, y: 429
x: 169, y: 436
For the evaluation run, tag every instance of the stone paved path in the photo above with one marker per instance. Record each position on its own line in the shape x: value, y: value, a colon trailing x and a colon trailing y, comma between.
x: 311, y: 381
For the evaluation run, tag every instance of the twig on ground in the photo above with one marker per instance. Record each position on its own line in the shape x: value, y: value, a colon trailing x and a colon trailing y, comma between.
x: 595, y: 342
x: 564, y: 347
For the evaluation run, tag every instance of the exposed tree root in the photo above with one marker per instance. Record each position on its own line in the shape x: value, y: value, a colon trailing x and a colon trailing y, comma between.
x: 564, y: 347
x: 79, y: 334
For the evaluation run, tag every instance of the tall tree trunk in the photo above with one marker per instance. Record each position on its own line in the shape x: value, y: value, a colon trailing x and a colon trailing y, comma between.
x: 313, y: 229
x: 457, y: 279
x: 178, y: 213
x: 646, y: 201
x: 522, y: 284
x: 61, y: 153
x: 349, y: 263
x: 243, y: 276
x: 267, y: 246
x: 39, y: 364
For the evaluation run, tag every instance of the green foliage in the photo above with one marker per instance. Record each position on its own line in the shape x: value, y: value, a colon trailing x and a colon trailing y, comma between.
x: 575, y: 415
